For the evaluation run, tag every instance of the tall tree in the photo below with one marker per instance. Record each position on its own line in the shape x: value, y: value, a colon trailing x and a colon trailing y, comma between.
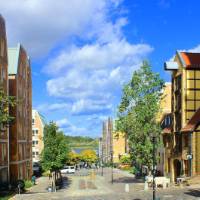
x: 55, y: 150
x: 138, y: 110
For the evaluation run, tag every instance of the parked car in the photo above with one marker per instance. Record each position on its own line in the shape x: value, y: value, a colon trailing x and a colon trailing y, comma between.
x: 68, y: 170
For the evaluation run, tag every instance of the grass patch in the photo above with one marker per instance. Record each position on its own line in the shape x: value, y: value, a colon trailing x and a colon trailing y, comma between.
x: 7, y: 196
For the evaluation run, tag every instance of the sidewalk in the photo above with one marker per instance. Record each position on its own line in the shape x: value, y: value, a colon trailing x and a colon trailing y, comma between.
x: 41, y: 186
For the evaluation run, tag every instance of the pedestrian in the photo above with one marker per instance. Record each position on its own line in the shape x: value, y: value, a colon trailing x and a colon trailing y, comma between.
x: 33, y: 179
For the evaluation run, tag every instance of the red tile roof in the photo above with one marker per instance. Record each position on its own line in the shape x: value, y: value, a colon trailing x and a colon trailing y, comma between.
x: 192, y: 60
x: 193, y: 122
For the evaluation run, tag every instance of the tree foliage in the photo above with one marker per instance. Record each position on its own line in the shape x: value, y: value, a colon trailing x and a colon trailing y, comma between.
x: 5, y: 102
x: 137, y: 112
x: 88, y: 156
x: 56, y: 150
x: 73, y: 158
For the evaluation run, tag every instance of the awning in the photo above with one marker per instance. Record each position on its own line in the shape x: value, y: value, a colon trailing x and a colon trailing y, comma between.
x: 192, y: 123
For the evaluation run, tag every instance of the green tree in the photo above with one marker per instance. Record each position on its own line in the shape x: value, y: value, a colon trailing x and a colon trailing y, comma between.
x: 5, y: 102
x: 56, y: 150
x: 138, y: 110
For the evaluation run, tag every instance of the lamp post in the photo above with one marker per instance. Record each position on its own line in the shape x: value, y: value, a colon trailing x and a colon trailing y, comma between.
x: 153, y: 139
x: 111, y: 153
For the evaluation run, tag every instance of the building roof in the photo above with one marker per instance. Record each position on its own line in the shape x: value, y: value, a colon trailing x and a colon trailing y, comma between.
x: 13, y: 58
x: 188, y: 60
x: 35, y: 112
x: 192, y: 123
x: 171, y: 65
x: 191, y: 59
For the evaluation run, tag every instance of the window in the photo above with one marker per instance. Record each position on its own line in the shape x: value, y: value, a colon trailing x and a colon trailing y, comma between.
x: 34, y: 142
x: 33, y: 121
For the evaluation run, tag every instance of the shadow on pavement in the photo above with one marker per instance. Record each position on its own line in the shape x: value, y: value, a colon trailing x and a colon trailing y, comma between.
x: 128, y: 180
x: 192, y: 192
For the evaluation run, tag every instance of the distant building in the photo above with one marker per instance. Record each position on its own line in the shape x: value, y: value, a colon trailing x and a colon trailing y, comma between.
x: 20, y: 86
x: 182, y: 142
x: 165, y: 105
x: 107, y: 142
x: 37, y: 135
x: 119, y: 146
x: 4, y: 139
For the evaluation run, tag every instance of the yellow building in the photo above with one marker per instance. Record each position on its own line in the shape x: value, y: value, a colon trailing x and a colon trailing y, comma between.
x: 37, y: 135
x: 119, y: 146
x: 165, y: 105
x: 182, y: 139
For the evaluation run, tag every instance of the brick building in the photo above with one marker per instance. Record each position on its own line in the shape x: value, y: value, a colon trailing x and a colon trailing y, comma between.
x: 20, y: 86
x: 4, y: 155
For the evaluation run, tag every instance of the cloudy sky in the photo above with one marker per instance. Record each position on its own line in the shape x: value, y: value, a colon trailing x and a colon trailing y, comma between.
x: 83, y: 51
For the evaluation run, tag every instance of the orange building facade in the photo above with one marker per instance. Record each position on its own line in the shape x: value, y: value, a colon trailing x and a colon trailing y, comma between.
x: 20, y: 86
x: 4, y: 140
x: 37, y: 135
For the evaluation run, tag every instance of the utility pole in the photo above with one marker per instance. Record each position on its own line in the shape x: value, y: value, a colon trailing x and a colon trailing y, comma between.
x: 153, y: 137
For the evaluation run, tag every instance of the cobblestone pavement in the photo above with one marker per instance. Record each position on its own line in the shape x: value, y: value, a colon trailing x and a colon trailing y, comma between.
x: 85, y: 185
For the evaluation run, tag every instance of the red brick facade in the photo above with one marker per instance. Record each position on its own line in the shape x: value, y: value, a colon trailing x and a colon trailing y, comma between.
x: 20, y: 86
x: 4, y: 169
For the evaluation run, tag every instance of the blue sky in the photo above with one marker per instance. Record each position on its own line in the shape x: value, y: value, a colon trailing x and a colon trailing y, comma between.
x: 83, y: 51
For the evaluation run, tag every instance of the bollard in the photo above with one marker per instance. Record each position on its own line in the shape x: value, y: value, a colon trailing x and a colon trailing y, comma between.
x: 126, y: 187
x: 146, y: 185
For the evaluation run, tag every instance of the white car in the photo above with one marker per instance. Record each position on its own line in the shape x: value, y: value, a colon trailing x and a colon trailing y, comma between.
x: 68, y: 170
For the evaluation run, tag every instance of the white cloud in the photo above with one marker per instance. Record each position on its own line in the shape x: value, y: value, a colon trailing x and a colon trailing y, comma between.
x: 53, y: 107
x: 195, y: 49
x: 63, y: 122
x: 87, y: 106
x: 94, y: 70
x: 70, y: 129
x: 41, y: 24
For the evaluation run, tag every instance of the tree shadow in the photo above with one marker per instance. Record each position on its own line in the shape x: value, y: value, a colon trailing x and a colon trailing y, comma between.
x: 193, y: 192
x: 128, y: 180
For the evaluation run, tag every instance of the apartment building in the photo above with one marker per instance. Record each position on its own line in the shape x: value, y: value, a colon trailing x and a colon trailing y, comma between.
x: 20, y: 86
x: 165, y: 110
x: 4, y: 155
x: 182, y: 142
x: 38, y: 124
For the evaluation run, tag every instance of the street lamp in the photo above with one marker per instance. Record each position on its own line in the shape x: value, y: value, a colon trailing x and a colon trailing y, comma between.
x: 111, y: 153
x: 153, y: 139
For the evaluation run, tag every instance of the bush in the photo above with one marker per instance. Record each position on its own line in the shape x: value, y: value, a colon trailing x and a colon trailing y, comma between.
x: 125, y: 159
x: 46, y: 173
x: 28, y: 184
x: 135, y: 170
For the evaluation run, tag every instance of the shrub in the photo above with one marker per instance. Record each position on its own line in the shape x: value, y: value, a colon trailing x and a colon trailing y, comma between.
x: 46, y: 173
x: 28, y: 184
x: 125, y: 159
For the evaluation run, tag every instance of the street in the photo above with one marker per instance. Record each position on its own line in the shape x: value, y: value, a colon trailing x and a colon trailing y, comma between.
x: 91, y: 185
